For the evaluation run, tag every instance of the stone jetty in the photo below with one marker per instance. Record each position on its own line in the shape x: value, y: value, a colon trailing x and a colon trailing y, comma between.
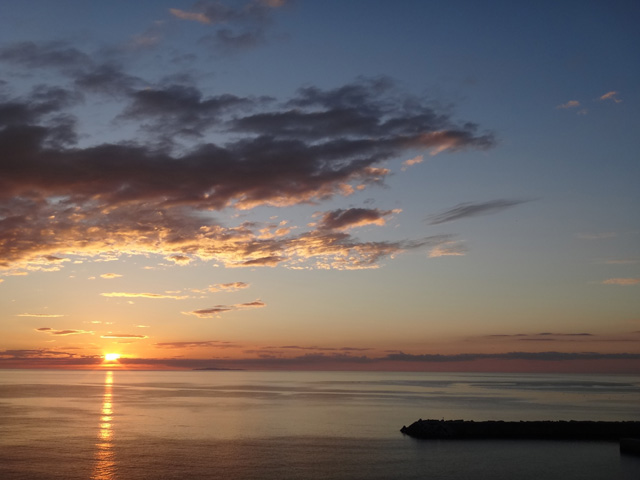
x: 576, y: 430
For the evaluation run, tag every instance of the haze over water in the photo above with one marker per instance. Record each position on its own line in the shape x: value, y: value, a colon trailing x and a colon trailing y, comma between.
x: 238, y: 425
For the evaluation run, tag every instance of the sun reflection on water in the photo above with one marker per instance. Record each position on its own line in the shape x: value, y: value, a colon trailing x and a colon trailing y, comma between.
x: 104, y: 468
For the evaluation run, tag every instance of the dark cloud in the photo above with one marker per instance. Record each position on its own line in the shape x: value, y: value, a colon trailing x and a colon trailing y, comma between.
x: 44, y: 55
x: 542, y: 356
x: 353, y: 217
x: 87, y: 200
x: 51, y: 331
x: 219, y: 309
x: 464, y: 210
x: 179, y: 109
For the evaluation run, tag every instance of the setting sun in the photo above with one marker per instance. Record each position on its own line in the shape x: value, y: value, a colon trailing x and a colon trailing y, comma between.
x: 111, y: 357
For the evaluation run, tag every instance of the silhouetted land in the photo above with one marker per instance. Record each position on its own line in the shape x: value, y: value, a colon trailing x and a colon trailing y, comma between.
x: 576, y: 430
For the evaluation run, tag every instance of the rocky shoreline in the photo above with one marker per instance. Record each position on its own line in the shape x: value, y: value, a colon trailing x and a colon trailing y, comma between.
x: 575, y: 430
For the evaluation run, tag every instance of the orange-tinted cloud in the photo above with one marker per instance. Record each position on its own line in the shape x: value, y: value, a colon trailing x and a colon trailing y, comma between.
x: 144, y: 295
x: 569, y: 104
x: 109, y: 276
x: 228, y: 287
x: 40, y: 315
x: 123, y: 335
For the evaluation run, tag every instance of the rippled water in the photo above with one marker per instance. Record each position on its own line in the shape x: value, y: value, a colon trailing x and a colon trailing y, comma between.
x: 307, y: 425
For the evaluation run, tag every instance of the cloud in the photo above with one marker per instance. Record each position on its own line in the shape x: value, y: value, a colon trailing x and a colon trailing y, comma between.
x: 613, y: 96
x: 448, y: 249
x: 40, y: 315
x: 353, y: 217
x: 51, y: 331
x: 412, y: 161
x: 50, y: 54
x: 622, y: 281
x: 465, y: 210
x: 219, y: 309
x: 179, y: 259
x: 196, y: 344
x: 60, y: 198
x: 143, y: 295
x: 238, y: 26
x: 123, y: 335
x: 228, y: 287
x: 569, y: 104
x: 109, y: 276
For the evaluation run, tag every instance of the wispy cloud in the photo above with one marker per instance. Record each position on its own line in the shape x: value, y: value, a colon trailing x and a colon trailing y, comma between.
x: 622, y: 281
x: 123, y: 335
x: 228, y: 287
x: 569, y: 104
x: 353, y: 217
x: 51, y: 331
x: 220, y: 309
x: 236, y: 26
x: 40, y: 315
x: 196, y: 344
x: 144, y: 295
x: 466, y: 210
x: 109, y: 276
x: 412, y: 161
x: 448, y: 249
x: 612, y: 95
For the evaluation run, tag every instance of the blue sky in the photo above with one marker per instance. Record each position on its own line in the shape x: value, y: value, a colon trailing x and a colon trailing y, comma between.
x: 320, y: 182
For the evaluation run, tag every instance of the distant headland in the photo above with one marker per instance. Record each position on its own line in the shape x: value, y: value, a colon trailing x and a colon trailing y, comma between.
x: 575, y: 430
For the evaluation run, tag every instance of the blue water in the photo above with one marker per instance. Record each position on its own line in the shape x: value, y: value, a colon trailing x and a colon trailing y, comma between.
x: 301, y: 425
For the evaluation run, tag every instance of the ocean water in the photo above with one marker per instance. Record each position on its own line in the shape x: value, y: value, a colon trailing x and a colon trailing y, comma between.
x: 119, y: 424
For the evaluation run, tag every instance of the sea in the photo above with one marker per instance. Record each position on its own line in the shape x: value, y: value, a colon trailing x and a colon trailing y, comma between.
x: 128, y: 425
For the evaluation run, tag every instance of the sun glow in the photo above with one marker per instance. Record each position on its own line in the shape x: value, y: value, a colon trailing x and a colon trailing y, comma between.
x: 111, y: 357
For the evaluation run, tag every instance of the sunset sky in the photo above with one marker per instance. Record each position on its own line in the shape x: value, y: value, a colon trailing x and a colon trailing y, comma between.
x: 273, y: 184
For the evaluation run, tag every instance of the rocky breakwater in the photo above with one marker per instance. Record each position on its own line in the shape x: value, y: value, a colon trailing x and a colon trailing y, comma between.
x: 576, y: 430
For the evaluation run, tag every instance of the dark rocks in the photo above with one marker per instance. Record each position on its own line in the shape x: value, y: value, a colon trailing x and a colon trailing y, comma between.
x: 576, y: 430
x: 630, y: 445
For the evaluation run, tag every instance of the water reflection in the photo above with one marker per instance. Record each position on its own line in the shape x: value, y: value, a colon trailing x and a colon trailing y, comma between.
x: 104, y: 468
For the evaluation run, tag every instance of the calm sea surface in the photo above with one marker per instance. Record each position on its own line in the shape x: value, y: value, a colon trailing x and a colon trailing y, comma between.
x: 299, y: 425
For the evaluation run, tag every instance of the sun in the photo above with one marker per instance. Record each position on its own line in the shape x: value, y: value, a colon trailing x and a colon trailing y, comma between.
x: 111, y: 357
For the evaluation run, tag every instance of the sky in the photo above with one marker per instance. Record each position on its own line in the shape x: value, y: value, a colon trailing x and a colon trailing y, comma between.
x: 362, y: 185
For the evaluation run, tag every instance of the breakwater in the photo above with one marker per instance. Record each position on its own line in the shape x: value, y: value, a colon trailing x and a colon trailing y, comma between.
x: 577, y: 430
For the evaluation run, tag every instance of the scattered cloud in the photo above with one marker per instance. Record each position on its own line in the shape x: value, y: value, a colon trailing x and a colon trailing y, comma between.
x: 144, y: 295
x: 109, y: 276
x: 220, y: 309
x: 569, y: 104
x: 613, y: 96
x: 40, y: 315
x: 448, y: 249
x: 228, y: 287
x: 142, y: 198
x: 51, y: 331
x: 196, y: 344
x: 123, y: 335
x: 412, y: 161
x: 179, y: 259
x: 465, y: 210
x: 353, y: 217
x: 622, y: 281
